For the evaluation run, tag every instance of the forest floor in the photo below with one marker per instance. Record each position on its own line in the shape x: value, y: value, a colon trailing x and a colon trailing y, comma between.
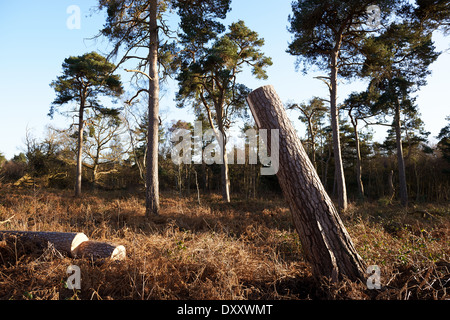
x: 247, y: 249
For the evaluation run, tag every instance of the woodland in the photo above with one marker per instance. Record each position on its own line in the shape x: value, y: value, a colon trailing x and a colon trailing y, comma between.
x: 340, y: 203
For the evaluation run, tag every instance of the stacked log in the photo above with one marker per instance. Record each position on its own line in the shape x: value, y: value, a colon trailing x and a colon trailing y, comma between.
x: 75, y: 244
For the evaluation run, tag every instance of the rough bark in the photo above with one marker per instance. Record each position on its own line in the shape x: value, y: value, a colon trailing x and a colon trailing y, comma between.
x: 325, y: 241
x: 339, y: 167
x: 152, y: 181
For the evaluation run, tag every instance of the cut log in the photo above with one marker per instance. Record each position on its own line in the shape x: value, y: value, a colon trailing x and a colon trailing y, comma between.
x: 101, y: 250
x: 62, y: 241
x: 325, y: 241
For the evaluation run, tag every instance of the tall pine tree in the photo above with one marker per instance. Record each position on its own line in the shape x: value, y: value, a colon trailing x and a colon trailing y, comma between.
x: 85, y: 78
x: 329, y: 34
x: 208, y: 78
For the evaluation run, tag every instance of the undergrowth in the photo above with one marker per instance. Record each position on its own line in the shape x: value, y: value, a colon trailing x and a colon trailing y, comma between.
x: 247, y: 249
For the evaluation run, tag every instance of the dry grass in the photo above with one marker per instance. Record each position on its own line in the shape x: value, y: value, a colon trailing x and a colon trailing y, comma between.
x: 242, y: 250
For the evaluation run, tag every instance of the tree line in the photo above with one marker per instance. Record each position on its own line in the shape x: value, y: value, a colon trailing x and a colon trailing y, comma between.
x: 110, y: 145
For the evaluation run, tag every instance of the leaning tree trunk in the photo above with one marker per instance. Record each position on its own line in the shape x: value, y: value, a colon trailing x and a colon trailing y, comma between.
x: 324, y: 239
x: 152, y: 182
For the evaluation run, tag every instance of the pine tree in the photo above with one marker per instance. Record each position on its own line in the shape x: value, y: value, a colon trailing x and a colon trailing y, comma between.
x: 329, y: 34
x: 397, y: 63
x: 85, y: 78
x: 312, y: 115
x: 208, y: 78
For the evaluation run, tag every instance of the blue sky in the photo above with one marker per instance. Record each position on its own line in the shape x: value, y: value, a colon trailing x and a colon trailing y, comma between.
x: 35, y: 40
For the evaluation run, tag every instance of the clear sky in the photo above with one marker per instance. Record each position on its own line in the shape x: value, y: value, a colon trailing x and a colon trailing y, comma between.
x: 35, y: 39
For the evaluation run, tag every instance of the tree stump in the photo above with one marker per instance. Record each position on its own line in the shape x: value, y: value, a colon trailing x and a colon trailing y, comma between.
x: 325, y: 241
x: 66, y: 242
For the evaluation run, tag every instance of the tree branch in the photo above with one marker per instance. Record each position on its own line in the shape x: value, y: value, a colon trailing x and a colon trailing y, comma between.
x: 136, y: 95
x: 141, y: 72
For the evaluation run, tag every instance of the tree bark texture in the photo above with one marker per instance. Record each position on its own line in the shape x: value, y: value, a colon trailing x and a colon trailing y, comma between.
x: 152, y: 180
x: 325, y: 241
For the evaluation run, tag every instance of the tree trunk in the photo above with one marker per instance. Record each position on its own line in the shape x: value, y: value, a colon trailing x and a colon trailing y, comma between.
x: 79, y: 174
x: 225, y: 180
x: 198, y: 187
x: 152, y: 182
x: 391, y: 189
x: 95, y: 174
x: 358, y: 160
x: 324, y: 239
x: 62, y: 241
x: 313, y: 142
x: 401, y: 162
x: 340, y: 179
x: 417, y: 182
x: 313, y: 146
x: 326, y: 164
x: 225, y: 176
